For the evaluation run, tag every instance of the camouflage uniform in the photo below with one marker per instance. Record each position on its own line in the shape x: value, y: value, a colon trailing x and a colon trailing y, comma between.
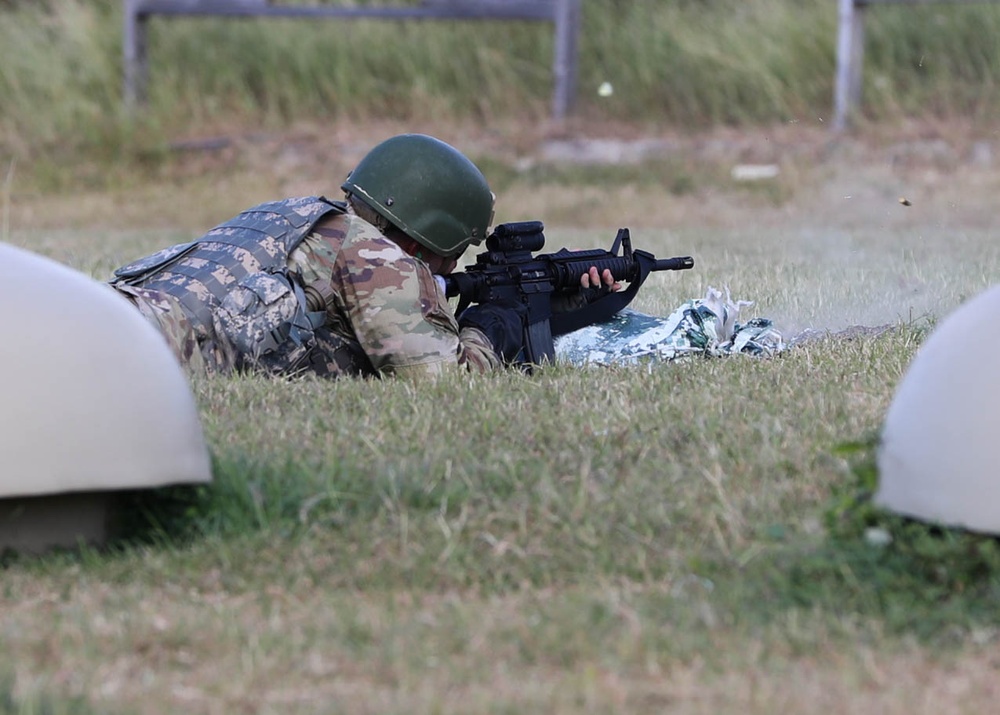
x: 301, y: 285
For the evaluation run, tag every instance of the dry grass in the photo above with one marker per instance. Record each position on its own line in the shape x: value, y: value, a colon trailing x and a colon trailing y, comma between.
x: 285, y: 648
x: 628, y: 546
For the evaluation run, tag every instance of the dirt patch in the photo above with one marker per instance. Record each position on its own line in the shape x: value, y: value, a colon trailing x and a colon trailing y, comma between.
x: 947, y: 175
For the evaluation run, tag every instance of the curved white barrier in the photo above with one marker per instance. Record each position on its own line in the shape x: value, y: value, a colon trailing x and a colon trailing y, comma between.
x: 939, y: 458
x: 91, y: 398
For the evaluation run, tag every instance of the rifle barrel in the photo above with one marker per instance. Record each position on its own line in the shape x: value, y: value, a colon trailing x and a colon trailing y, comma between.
x: 679, y: 263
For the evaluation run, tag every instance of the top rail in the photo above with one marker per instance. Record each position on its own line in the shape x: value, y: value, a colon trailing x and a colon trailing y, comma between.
x: 442, y: 10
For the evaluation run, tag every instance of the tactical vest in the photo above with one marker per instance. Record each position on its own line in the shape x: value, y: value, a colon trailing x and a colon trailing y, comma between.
x: 199, y: 274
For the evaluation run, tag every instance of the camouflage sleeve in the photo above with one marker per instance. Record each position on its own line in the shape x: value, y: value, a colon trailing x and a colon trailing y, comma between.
x: 476, y: 351
x: 399, y: 314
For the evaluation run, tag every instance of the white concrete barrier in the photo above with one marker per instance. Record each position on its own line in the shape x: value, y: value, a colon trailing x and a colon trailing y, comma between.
x: 939, y: 458
x: 91, y: 398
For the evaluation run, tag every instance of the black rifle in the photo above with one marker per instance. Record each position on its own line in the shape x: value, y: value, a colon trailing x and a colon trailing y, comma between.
x: 507, y: 272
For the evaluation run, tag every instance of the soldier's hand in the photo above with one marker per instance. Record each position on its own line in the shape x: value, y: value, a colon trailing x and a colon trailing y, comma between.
x: 591, y: 278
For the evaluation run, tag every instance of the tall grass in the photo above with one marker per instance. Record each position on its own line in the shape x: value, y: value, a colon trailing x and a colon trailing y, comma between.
x: 60, y: 74
x: 938, y: 59
x: 671, y: 63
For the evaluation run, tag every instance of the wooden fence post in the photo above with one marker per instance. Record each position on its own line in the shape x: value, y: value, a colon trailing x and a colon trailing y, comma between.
x: 134, y: 55
x: 567, y: 30
x: 850, y: 61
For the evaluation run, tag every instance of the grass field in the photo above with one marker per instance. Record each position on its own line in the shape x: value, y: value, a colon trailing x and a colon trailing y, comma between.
x: 583, y: 540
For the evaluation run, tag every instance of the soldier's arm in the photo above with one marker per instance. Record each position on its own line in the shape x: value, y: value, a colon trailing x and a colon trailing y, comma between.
x: 400, y: 315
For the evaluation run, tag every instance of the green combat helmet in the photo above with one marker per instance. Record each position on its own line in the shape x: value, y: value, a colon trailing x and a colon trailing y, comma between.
x: 427, y: 189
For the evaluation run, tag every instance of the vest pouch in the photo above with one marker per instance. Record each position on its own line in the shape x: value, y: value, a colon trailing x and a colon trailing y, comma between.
x: 264, y: 319
x: 137, y: 270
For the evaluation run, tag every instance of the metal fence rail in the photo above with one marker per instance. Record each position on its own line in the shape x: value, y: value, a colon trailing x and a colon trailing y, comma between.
x: 563, y: 14
x: 850, y: 53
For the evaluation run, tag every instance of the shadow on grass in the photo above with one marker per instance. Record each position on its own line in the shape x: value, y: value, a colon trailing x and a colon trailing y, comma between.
x: 244, y: 496
x: 285, y: 496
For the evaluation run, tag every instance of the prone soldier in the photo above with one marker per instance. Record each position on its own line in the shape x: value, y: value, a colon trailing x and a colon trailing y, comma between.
x: 351, y: 287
